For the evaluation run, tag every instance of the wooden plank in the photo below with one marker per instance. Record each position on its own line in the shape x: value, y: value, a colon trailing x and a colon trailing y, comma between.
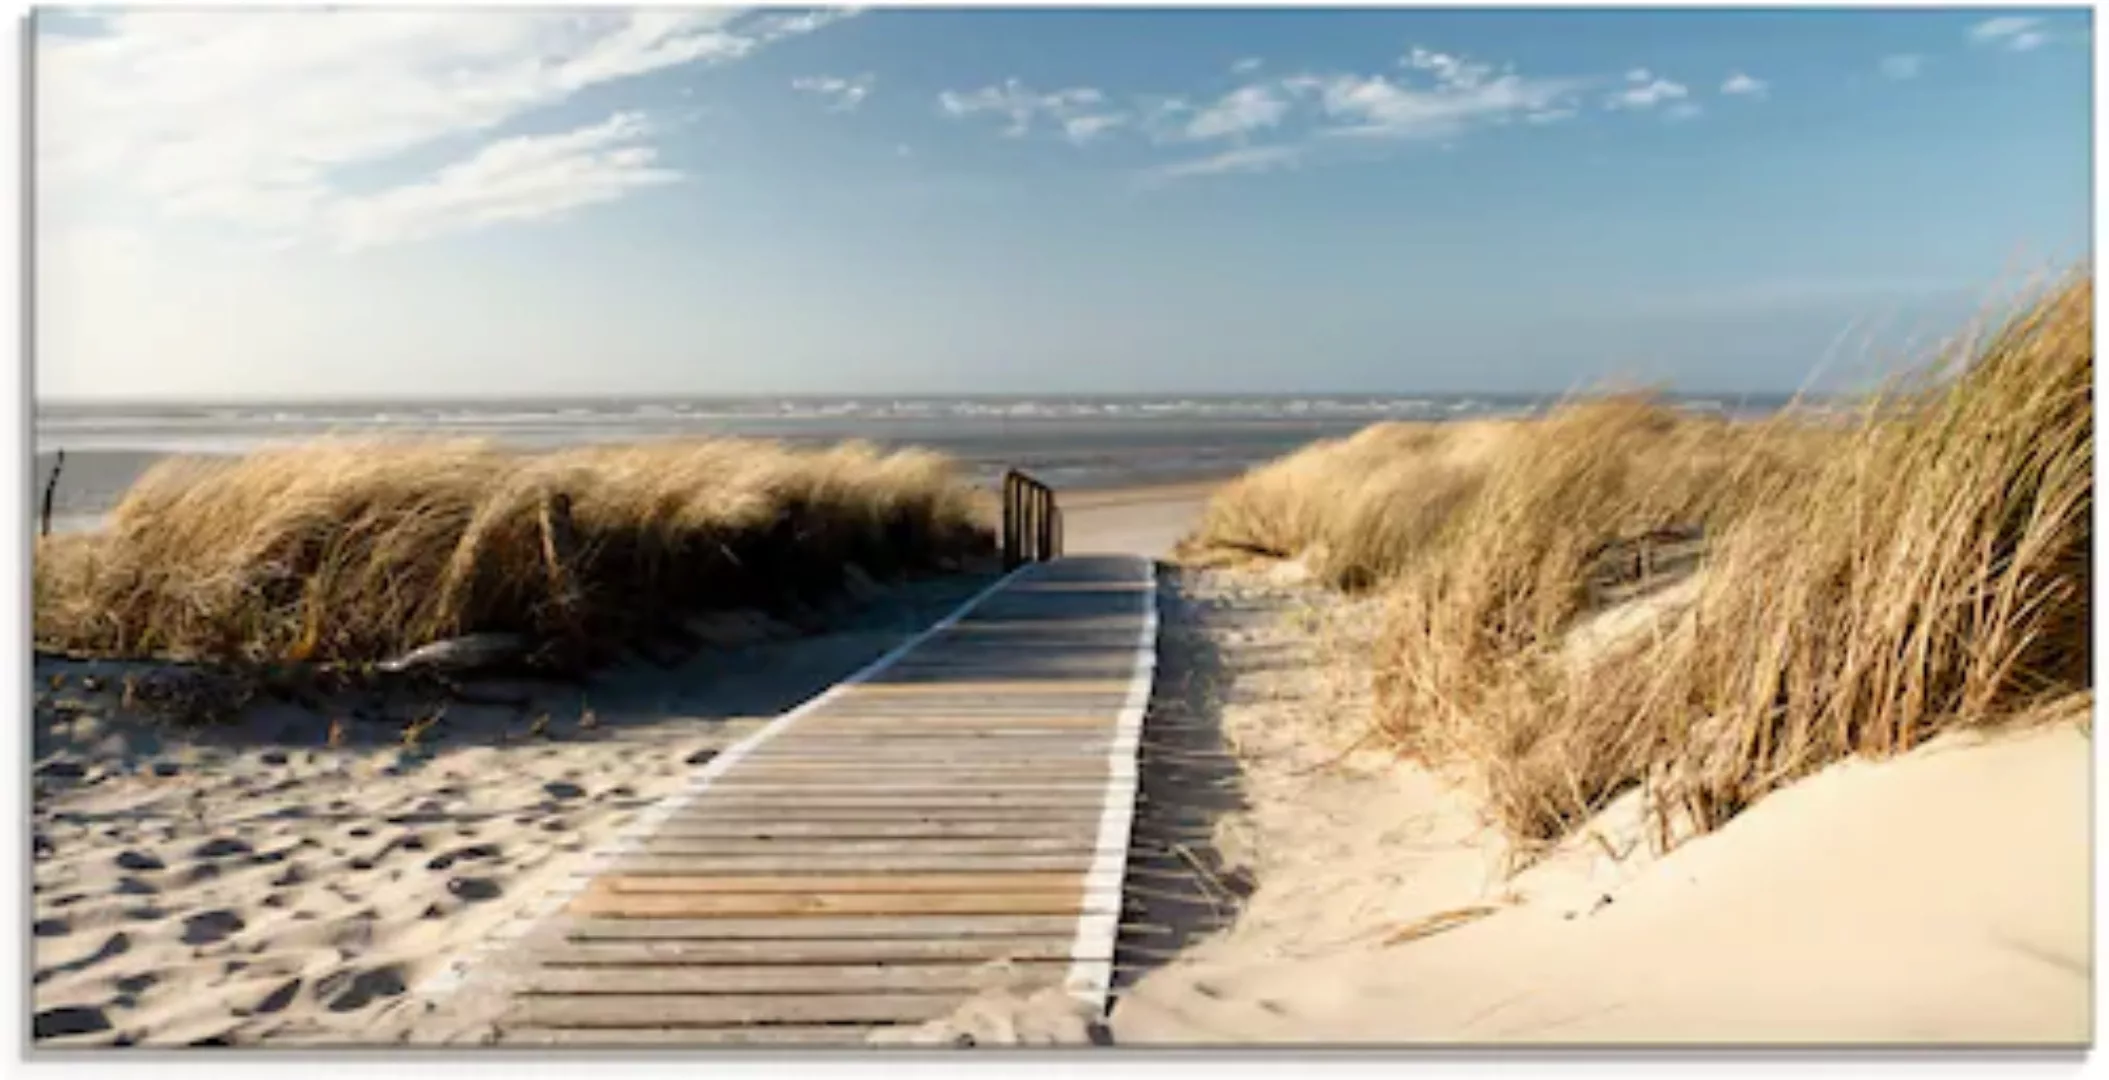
x: 994, y: 788
x: 631, y: 1011
x: 1078, y: 842
x: 965, y: 740
x: 879, y: 800
x: 617, y: 1037
x: 909, y: 780
x: 1034, y: 882
x: 881, y: 687
x: 805, y: 832
x: 961, y: 979
x: 606, y: 903
x: 847, y: 864
x: 941, y: 950
x: 708, y: 810
x: 583, y: 930
x: 969, y: 717
x: 908, y: 761
x: 825, y: 720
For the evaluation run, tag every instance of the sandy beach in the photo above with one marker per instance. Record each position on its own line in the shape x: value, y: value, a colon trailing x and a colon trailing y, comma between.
x: 1941, y: 896
x: 258, y: 886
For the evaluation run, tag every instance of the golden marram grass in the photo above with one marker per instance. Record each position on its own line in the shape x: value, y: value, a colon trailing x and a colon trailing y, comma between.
x: 359, y: 550
x: 1867, y: 585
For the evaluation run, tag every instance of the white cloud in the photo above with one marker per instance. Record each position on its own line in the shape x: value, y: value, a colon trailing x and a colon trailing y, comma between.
x: 1083, y: 129
x: 1741, y: 85
x: 1246, y: 66
x: 1375, y: 107
x: 1903, y: 66
x: 523, y: 178
x: 1683, y: 110
x: 1449, y: 71
x: 1244, y: 110
x: 1645, y: 90
x: 1079, y: 111
x: 2018, y: 33
x: 1241, y: 159
x: 262, y: 119
x: 841, y: 94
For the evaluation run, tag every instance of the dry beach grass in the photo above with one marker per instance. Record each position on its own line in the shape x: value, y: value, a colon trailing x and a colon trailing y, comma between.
x: 357, y: 551
x: 1866, y: 585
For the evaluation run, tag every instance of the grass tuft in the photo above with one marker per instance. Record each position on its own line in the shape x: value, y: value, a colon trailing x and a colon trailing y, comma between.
x: 1922, y: 567
x: 355, y: 551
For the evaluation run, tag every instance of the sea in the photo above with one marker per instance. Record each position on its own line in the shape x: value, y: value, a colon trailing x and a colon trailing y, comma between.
x: 1076, y: 442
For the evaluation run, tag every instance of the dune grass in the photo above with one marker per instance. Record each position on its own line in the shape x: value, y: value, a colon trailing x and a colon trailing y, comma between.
x: 1866, y: 584
x: 355, y: 551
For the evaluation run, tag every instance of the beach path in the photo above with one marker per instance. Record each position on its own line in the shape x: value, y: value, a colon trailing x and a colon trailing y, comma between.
x: 951, y: 820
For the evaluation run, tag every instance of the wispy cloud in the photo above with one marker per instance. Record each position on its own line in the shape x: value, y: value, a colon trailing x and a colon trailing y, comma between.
x: 1739, y: 84
x: 1644, y: 89
x: 1247, y: 66
x: 1240, y: 112
x: 524, y: 178
x: 841, y: 94
x: 1243, y: 159
x: 1081, y: 113
x: 2017, y: 33
x: 1902, y: 66
x: 260, y: 119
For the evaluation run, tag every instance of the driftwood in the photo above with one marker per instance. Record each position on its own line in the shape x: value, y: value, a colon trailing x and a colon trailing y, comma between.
x: 471, y: 652
x: 50, y: 487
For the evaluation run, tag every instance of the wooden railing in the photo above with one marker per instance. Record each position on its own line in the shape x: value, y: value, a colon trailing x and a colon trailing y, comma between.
x: 1032, y: 523
x: 1623, y: 569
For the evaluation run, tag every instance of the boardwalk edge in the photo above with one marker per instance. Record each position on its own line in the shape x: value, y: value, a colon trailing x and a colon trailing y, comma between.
x: 1091, y: 968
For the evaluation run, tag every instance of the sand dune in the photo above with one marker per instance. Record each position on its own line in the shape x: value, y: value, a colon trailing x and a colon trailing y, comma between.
x: 1940, y: 897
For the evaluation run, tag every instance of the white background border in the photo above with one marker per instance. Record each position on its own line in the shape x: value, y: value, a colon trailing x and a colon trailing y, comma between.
x: 521, y: 1065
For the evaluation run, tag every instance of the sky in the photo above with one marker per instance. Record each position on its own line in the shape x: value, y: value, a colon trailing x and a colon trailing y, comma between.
x: 696, y: 201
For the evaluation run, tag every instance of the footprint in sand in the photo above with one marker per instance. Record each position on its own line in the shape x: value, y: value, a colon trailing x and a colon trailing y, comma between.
x: 474, y: 890
x: 211, y: 927
x: 139, y: 860
x: 469, y: 853
x: 136, y: 984
x: 132, y: 886
x: 558, y: 789
x: 51, y: 928
x: 345, y: 991
x: 278, y: 999
x: 70, y: 1020
x: 222, y: 847
x: 115, y: 945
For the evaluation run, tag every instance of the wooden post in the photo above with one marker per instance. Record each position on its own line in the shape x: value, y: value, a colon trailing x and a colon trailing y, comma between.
x: 1010, y: 520
x: 1046, y: 538
x: 1025, y: 511
x: 560, y: 556
x: 51, y: 486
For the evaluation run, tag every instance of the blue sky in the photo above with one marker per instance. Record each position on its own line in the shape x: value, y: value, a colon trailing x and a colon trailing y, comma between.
x: 698, y: 201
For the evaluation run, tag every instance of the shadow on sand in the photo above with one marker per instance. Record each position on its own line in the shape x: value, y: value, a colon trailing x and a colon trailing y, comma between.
x: 1178, y: 889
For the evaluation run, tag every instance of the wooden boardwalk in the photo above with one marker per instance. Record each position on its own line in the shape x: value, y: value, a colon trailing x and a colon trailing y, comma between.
x: 864, y: 860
